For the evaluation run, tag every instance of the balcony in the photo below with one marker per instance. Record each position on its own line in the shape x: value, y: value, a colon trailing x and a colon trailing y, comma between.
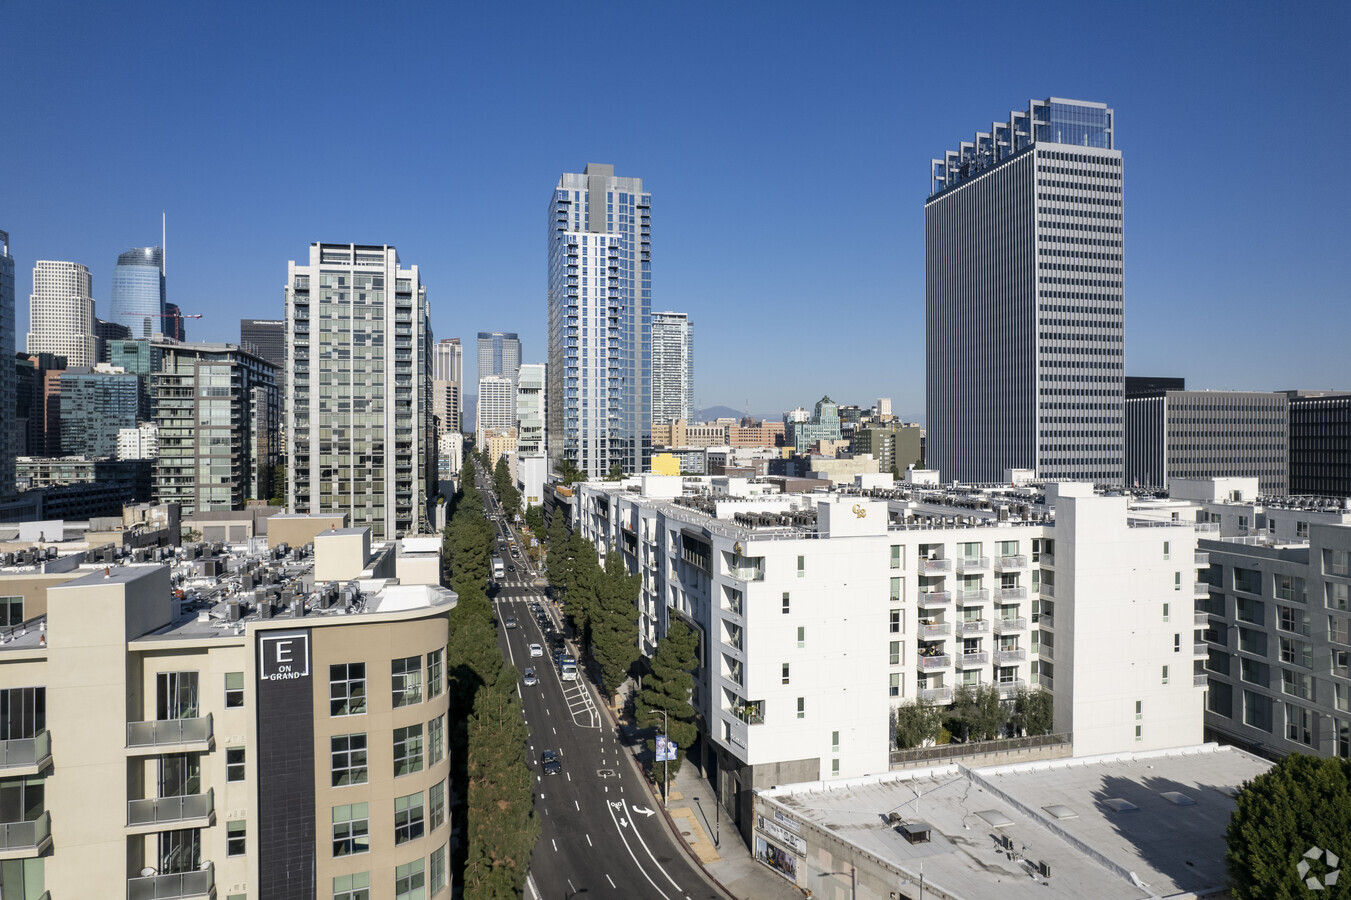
x: 1201, y: 590
x: 197, y: 885
x: 973, y: 659
x: 1201, y: 619
x: 1202, y: 558
x: 1047, y: 589
x: 938, y: 630
x: 934, y: 598
x: 751, y: 713
x: 187, y: 811
x: 1200, y: 679
x: 1009, y: 688
x: 938, y: 661
x: 974, y: 626
x: 1047, y: 559
x: 936, y: 695
x: 169, y: 735
x: 935, y: 565
x: 1012, y: 623
x: 1202, y: 650
x: 1010, y: 562
x: 973, y: 564
x: 25, y: 840
x: 977, y: 596
x: 1011, y: 593
x: 1016, y: 654
x: 1045, y: 620
x: 26, y: 756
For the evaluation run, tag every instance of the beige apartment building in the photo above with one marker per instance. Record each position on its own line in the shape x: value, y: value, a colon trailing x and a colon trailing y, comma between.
x: 284, y: 737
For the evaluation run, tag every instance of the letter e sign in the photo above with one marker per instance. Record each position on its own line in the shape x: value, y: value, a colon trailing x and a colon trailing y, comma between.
x: 282, y: 657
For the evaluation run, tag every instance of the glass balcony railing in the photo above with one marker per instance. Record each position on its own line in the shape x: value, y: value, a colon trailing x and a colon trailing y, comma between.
x: 936, y: 694
x: 935, y: 565
x: 1016, y: 654
x: 938, y: 661
x: 934, y: 598
x: 974, y: 658
x: 200, y: 883
x: 973, y: 626
x: 169, y: 732
x: 1201, y: 590
x: 936, y: 630
x: 26, y: 752
x: 1011, y: 623
x: 1009, y: 688
x: 168, y: 810
x: 1010, y: 562
x: 976, y: 596
x: 21, y: 836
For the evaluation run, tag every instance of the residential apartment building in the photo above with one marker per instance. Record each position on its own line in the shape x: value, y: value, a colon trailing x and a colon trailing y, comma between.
x: 765, y: 434
x: 1024, y: 302
x: 499, y: 353
x: 359, y: 425
x: 217, y: 412
x: 266, y: 339
x: 15, y: 433
x: 1208, y: 434
x: 96, y: 403
x: 820, y: 614
x: 448, y: 386
x: 894, y: 445
x: 822, y: 425
x: 496, y: 405
x: 140, y: 356
x: 531, y: 407
x: 672, y: 367
x: 61, y: 312
x: 1320, y: 443
x: 281, y: 743
x: 141, y: 442
x: 138, y: 292
x: 600, y: 331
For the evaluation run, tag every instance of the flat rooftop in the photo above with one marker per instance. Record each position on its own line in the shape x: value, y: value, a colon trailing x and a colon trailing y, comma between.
x: 1167, y: 837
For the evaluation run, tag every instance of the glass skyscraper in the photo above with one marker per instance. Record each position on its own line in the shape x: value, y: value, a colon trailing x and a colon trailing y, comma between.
x: 9, y: 438
x: 138, y: 292
x: 600, y: 322
x: 1024, y: 299
x: 499, y: 353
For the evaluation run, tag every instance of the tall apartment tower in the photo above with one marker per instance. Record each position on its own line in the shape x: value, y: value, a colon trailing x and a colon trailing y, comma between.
x: 672, y: 367
x: 496, y: 405
x: 10, y: 434
x: 600, y: 330
x: 448, y: 386
x: 499, y: 353
x: 358, y: 414
x: 61, y: 312
x: 1024, y: 308
x: 531, y: 403
x: 138, y: 293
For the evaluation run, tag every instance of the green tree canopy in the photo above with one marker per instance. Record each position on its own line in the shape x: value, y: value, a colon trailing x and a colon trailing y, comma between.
x: 534, y: 520
x: 980, y: 710
x: 1300, y: 803
x: 1033, y: 711
x: 667, y: 688
x: 917, y: 723
x: 613, y: 621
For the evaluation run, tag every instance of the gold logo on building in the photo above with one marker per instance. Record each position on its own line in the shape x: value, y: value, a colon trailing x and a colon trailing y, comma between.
x: 859, y: 511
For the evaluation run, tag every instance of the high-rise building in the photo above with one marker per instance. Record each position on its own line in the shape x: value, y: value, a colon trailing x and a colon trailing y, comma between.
x: 1320, y: 443
x: 217, y: 410
x: 266, y: 338
x: 672, y: 367
x: 138, y: 292
x: 104, y: 334
x: 10, y: 436
x: 358, y: 413
x: 95, y: 404
x: 499, y: 353
x: 496, y: 405
x: 531, y: 404
x: 822, y: 425
x: 448, y: 386
x: 600, y: 332
x: 1024, y: 310
x: 174, y: 327
x: 61, y: 312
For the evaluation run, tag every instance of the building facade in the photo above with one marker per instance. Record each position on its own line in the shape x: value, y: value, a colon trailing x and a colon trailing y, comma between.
x: 105, y: 333
x: 1208, y: 434
x: 600, y: 332
x: 138, y: 292
x: 61, y: 312
x: 448, y: 386
x: 96, y: 403
x: 672, y: 367
x: 266, y: 339
x: 1024, y: 303
x: 531, y: 404
x: 496, y: 405
x: 894, y: 445
x: 15, y: 431
x: 141, y: 442
x: 216, y: 408
x: 822, y: 425
x: 499, y: 353
x: 1320, y: 443
x: 359, y: 425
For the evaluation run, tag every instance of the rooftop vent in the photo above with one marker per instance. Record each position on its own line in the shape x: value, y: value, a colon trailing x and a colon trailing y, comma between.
x: 996, y: 818
x: 1177, y: 798
x: 1061, y: 812
x: 1118, y: 805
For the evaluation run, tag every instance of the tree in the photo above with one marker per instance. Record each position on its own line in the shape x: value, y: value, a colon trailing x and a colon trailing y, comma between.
x: 568, y: 472
x: 534, y: 519
x: 1033, y: 711
x: 917, y: 723
x: 561, y: 560
x: 613, y: 621
x: 980, y: 711
x: 278, y: 497
x: 1300, y: 803
x: 584, y: 584
x: 668, y: 689
x: 616, y: 472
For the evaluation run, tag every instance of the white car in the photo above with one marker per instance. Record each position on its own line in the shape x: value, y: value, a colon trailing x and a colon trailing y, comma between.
x: 536, y: 650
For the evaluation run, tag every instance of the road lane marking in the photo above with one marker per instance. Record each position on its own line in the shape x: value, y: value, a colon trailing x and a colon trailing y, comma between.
x: 654, y: 859
x: 611, y: 880
x: 588, y: 841
x: 610, y: 808
x: 576, y: 806
x: 555, y: 843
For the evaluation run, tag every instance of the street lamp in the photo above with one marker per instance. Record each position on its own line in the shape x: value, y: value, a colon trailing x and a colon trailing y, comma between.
x: 665, y: 764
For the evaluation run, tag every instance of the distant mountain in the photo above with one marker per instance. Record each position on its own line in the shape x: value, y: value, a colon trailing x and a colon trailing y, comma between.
x: 717, y: 412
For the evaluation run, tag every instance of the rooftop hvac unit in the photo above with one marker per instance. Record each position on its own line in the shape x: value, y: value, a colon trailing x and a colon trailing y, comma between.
x: 232, y: 611
x: 1044, y: 869
x: 297, y: 607
x: 265, y: 610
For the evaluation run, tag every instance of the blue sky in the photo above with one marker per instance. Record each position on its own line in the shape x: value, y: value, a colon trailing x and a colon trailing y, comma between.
x: 786, y: 146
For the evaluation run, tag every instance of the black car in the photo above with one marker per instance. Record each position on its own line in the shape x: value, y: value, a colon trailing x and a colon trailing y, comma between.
x: 552, y: 764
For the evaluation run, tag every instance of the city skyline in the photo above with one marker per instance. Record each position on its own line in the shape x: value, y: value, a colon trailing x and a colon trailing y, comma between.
x: 1205, y: 258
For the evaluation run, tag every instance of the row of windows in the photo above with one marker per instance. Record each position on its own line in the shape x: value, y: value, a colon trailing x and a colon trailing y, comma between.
x: 348, y: 752
x: 347, y: 683
x: 415, y: 880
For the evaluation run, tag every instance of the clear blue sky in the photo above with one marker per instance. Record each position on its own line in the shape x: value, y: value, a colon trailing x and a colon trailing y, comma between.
x: 786, y: 146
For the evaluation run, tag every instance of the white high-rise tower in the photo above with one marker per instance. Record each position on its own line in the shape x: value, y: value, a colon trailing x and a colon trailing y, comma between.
x: 672, y: 367
x: 61, y: 312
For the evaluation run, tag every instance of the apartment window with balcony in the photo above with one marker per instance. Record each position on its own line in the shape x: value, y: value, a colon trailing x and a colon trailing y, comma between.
x: 356, y: 886
x: 180, y: 851
x: 410, y: 881
x: 347, y: 689
x: 1036, y: 550
x: 897, y: 556
x: 407, y: 750
x: 969, y: 550
x: 176, y: 696
x: 436, y: 806
x: 236, y: 837
x: 895, y: 655
x: 234, y: 690
x: 406, y: 680
x: 971, y: 676
x: 234, y: 764
x: 348, y: 752
x: 408, y: 818
x: 1298, y: 724
x: 895, y: 621
x: 23, y: 712
x: 435, y: 673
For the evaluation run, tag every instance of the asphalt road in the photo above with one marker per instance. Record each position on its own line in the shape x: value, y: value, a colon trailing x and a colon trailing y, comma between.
x: 602, y: 834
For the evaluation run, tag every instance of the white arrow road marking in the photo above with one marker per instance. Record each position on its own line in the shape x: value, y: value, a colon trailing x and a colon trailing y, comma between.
x: 610, y: 807
x: 644, y: 810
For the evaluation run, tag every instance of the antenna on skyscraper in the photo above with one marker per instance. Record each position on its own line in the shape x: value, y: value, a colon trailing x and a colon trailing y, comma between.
x: 163, y: 234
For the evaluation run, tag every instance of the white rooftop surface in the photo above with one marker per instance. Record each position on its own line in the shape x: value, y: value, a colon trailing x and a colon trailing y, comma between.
x: 1171, y: 847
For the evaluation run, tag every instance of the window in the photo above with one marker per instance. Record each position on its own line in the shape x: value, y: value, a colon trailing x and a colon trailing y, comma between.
x: 1139, y: 732
x: 347, y: 689
x: 1297, y: 724
x: 1165, y: 611
x: 408, y: 819
x: 436, y: 806
x: 785, y: 673
x: 1338, y: 629
x: 176, y: 696
x: 435, y: 673
x: 406, y: 680
x: 835, y: 767
x: 409, y: 880
x: 834, y: 742
x: 436, y: 740
x: 235, y: 837
x: 895, y: 654
x: 234, y: 690
x: 1257, y: 710
x: 11, y: 610
x: 349, y: 759
x: 407, y: 750
x: 1177, y: 643
x: 894, y: 684
x: 802, y: 707
x: 895, y: 621
x: 351, y: 829
x: 895, y: 590
x: 801, y: 637
x: 785, y: 603
x: 897, y: 558
x: 234, y: 763
x: 352, y: 887
x: 802, y: 567
x: 1167, y: 550
x: 438, y: 868
x: 23, y: 712
x: 1339, y: 596
x: 1177, y: 581
x: 1139, y: 709
x: 1165, y: 674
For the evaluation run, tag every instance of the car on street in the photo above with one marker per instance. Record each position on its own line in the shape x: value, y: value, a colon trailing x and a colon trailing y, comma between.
x: 509, y: 621
x: 530, y: 678
x: 551, y: 763
x: 536, y: 650
x: 558, y: 657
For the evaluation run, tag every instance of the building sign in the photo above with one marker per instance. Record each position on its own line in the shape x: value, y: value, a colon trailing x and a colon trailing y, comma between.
x: 283, y: 657
x: 786, y: 822
x: 782, y: 835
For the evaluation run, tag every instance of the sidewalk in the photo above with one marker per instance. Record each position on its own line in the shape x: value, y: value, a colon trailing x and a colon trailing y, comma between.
x: 710, y: 838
